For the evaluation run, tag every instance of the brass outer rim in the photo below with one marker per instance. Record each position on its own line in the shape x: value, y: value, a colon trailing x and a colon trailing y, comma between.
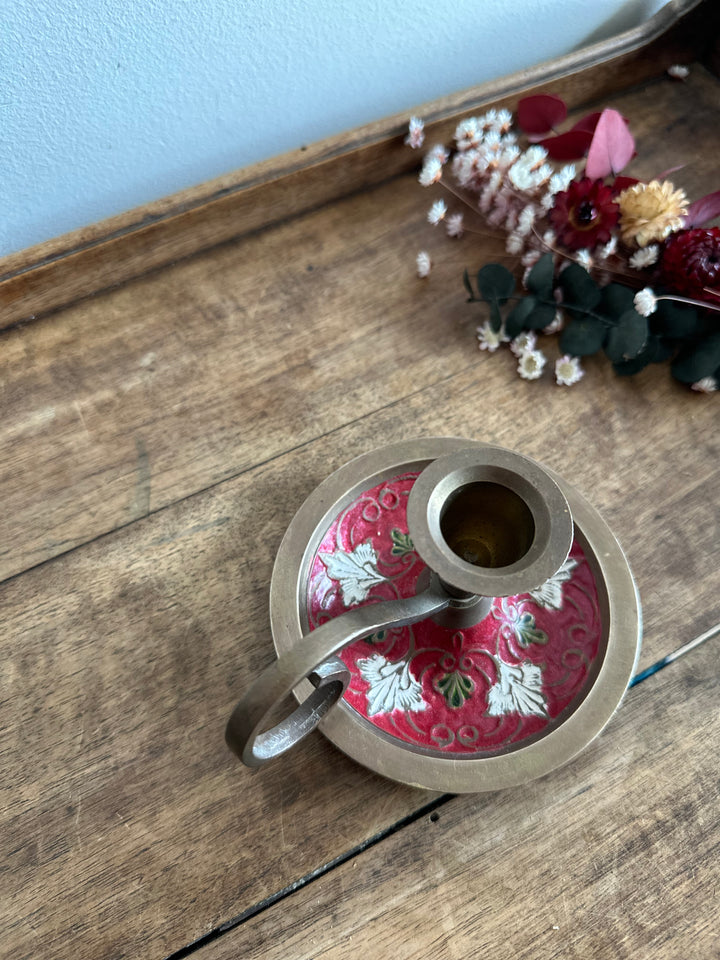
x: 357, y: 737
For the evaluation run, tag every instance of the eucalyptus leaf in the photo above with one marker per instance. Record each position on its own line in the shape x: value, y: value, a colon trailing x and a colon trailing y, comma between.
x: 676, y: 321
x: 654, y: 351
x: 583, y: 337
x: 495, y: 283
x: 615, y: 300
x: 580, y: 292
x: 698, y: 360
x: 541, y: 317
x: 540, y: 278
x: 627, y: 338
x: 515, y: 322
x: 468, y: 285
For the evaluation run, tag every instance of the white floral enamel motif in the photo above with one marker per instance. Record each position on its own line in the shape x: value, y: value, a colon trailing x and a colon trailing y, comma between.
x: 392, y: 686
x: 356, y: 572
x: 550, y: 594
x: 518, y: 690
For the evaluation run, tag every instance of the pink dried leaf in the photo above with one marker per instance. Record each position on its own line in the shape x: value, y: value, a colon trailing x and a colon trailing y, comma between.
x: 540, y: 113
x: 703, y: 210
x: 612, y: 146
x: 567, y: 146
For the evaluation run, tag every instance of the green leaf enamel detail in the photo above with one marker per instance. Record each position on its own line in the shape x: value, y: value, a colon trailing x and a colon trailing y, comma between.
x: 456, y: 687
x: 526, y: 631
x: 378, y: 637
x: 402, y: 543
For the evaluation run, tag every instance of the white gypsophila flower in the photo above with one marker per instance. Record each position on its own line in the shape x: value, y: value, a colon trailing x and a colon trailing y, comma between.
x: 607, y: 249
x: 503, y: 120
x: 454, y: 225
x: 511, y: 219
x: 500, y: 210
x: 562, y: 179
x: 531, y: 363
x: 488, y: 120
x: 468, y: 134
x: 528, y: 260
x: 557, y: 324
x: 584, y: 258
x: 423, y: 263
x: 416, y: 133
x: 439, y: 152
x: 706, y: 385
x: 549, y: 238
x: 437, y: 212
x: 645, y: 302
x: 644, y: 257
x: 568, y: 370
x: 489, y: 339
x: 431, y: 171
x: 507, y: 156
x: 678, y: 72
x: 515, y: 244
x: 547, y: 202
x: 523, y: 342
x: 526, y: 219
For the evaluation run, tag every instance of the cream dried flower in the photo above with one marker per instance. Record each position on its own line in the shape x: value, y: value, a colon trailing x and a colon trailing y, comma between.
x: 645, y: 257
x: 645, y: 302
x: 431, y: 171
x: 706, y: 385
x: 489, y: 339
x: 568, y: 370
x: 437, y: 212
x: 454, y: 225
x: 531, y: 363
x: 423, y: 263
x: 416, y: 133
x: 523, y: 342
x: 650, y: 211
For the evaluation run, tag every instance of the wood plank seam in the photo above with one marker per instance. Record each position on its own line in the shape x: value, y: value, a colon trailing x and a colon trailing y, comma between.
x: 428, y: 810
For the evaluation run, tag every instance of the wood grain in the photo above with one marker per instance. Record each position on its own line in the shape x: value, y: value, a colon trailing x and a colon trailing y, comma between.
x: 98, y: 256
x: 122, y: 660
x: 615, y: 857
x: 132, y: 400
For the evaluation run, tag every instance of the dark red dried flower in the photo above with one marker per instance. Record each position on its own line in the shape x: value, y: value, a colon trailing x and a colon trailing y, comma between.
x: 690, y: 264
x: 583, y: 215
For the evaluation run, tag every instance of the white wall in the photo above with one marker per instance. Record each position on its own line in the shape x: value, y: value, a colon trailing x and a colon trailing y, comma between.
x: 107, y: 104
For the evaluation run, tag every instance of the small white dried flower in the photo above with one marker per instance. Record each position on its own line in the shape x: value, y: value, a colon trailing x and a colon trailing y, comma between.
x: 706, y: 385
x: 489, y: 339
x: 503, y: 120
x: 549, y: 238
x: 568, y: 370
x: 584, y: 258
x: 526, y: 219
x: 416, y: 133
x: 488, y: 120
x: 644, y: 257
x: 431, y: 171
x: 557, y: 324
x: 523, y: 342
x: 423, y: 263
x: 562, y: 179
x: 468, y: 134
x: 454, y: 225
x: 645, y: 302
x: 437, y: 212
x: 439, y: 152
x: 607, y: 249
x: 528, y: 260
x: 531, y: 363
x: 515, y: 244
x: 678, y: 72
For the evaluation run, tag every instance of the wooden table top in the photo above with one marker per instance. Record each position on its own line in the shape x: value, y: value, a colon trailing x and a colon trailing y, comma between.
x: 158, y: 437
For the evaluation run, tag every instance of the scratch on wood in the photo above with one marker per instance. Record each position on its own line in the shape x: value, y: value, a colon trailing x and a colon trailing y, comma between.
x: 140, y: 506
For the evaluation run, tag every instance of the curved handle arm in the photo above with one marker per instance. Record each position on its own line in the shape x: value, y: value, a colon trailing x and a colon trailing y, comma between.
x: 314, y: 658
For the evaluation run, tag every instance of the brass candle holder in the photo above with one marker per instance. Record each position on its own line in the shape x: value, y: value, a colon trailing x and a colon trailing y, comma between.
x: 477, y: 524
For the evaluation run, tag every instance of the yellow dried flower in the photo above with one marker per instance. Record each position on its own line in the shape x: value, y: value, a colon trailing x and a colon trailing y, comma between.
x: 650, y: 211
